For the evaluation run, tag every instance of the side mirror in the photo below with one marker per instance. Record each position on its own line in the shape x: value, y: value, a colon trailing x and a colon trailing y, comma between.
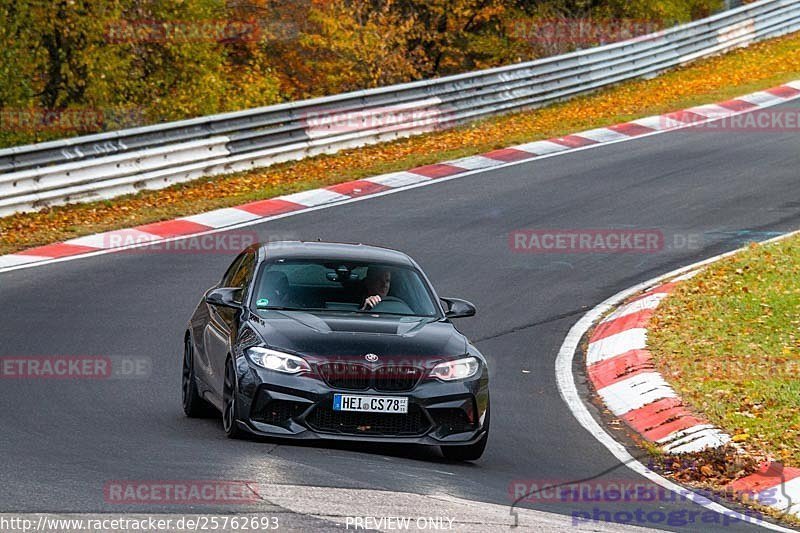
x: 457, y: 308
x: 224, y: 297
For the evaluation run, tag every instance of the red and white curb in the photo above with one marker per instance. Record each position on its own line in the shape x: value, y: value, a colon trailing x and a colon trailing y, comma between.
x: 774, y: 485
x: 263, y: 210
x: 621, y: 369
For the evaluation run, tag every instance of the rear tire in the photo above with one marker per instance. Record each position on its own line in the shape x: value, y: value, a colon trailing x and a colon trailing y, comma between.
x: 230, y: 407
x: 194, y: 406
x: 470, y: 452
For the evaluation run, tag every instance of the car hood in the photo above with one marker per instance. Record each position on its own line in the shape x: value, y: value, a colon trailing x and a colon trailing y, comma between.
x: 343, y: 335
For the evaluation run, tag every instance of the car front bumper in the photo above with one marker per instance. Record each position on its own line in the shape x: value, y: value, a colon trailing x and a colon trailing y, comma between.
x: 301, y: 408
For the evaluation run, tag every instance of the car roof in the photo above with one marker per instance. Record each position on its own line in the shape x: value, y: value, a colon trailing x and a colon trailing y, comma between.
x: 335, y: 251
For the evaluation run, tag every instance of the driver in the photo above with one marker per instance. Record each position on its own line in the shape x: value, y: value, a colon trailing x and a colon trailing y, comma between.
x: 375, y: 287
x: 275, y: 289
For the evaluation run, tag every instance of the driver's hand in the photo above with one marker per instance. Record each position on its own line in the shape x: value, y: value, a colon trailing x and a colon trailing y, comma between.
x: 371, y: 302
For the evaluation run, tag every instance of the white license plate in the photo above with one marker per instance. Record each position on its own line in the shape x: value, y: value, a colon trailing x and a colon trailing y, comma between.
x: 370, y: 404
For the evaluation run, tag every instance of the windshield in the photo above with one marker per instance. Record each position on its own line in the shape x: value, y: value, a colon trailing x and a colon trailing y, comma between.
x: 336, y: 286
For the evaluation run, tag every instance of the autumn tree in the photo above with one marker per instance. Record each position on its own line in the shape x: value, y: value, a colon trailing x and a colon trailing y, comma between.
x: 144, y: 61
x: 357, y: 44
x: 133, y: 61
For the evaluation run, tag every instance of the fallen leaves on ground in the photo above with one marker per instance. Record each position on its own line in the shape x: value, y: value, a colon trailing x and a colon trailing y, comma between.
x: 708, y: 468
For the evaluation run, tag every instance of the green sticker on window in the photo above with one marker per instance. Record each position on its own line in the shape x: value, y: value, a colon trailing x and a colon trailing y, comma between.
x: 262, y: 302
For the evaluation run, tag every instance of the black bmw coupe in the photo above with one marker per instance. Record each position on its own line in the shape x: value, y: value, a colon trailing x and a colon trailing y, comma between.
x: 312, y: 340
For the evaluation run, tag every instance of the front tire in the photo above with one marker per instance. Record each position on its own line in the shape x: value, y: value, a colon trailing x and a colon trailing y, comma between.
x: 230, y: 407
x: 470, y: 452
x: 194, y: 406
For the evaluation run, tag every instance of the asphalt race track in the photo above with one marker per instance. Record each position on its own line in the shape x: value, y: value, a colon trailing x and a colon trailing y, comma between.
x: 63, y: 440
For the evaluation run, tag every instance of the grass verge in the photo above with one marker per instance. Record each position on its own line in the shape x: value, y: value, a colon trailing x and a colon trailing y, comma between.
x: 728, y: 341
x: 758, y: 67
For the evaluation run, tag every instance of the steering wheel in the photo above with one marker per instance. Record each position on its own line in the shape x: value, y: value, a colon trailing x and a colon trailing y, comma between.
x: 386, y: 299
x: 392, y: 304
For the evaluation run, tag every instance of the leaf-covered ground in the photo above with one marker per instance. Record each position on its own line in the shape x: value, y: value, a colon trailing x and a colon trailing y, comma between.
x: 758, y: 67
x: 728, y: 341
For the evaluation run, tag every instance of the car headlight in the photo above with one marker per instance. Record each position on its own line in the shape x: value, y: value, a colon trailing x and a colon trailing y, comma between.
x: 278, y: 361
x: 457, y: 369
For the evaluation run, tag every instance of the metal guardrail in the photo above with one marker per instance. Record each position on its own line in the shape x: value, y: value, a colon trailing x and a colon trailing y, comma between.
x: 121, y: 162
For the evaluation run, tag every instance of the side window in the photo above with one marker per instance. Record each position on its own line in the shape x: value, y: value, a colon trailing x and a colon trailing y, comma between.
x: 228, y: 277
x: 244, y: 274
